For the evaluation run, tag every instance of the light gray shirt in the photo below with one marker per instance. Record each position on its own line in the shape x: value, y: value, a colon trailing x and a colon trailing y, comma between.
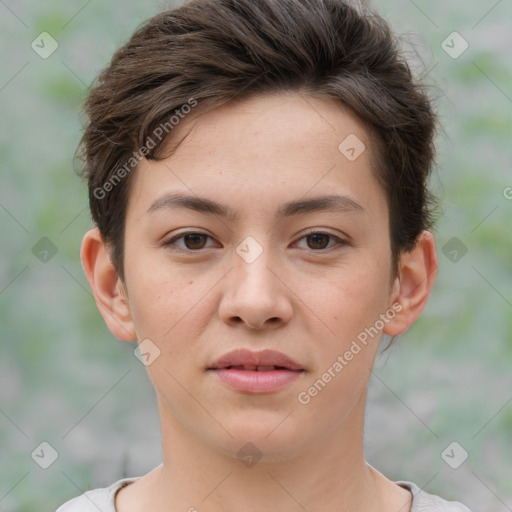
x: 104, y: 500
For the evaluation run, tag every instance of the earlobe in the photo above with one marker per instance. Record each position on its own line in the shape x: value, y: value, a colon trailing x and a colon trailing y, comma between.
x: 418, y: 269
x: 106, y: 286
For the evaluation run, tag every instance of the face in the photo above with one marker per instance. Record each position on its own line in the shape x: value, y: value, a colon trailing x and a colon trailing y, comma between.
x: 275, y: 270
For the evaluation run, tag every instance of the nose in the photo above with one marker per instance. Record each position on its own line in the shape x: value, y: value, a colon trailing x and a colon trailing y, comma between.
x: 256, y: 294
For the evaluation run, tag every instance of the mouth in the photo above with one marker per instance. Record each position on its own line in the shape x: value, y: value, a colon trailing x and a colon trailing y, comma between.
x: 256, y: 381
x: 256, y: 373
x: 257, y: 368
x: 247, y: 360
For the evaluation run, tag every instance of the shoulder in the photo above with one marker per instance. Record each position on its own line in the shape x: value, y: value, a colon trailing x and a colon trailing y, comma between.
x: 425, y: 502
x: 96, y: 499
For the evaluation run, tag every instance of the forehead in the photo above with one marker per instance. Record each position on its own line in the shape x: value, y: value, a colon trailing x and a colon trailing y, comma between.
x: 276, y: 147
x: 288, y: 122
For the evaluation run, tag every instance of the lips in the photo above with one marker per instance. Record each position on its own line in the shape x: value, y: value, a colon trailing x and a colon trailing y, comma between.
x: 266, y: 360
x: 254, y: 368
x: 262, y: 372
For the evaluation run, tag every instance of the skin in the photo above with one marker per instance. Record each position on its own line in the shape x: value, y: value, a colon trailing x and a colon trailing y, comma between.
x: 306, y: 297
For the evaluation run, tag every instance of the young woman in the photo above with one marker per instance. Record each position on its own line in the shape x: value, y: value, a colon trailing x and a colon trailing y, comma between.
x: 258, y: 182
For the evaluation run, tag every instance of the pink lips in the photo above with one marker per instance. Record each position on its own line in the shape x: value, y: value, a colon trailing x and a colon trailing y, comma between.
x: 256, y: 372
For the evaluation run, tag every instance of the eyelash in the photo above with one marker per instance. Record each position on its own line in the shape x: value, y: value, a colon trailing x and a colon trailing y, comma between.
x: 170, y: 243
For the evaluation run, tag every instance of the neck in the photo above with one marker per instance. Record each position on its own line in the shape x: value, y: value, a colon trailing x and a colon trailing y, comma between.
x: 325, y: 473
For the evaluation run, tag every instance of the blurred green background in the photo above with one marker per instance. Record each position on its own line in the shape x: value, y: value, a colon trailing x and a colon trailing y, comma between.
x: 65, y: 380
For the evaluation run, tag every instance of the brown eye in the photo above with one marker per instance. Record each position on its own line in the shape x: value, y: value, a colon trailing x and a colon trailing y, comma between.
x: 319, y: 240
x: 193, y: 241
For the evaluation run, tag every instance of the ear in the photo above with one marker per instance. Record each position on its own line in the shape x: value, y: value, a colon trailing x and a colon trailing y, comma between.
x: 108, y: 290
x: 412, y: 287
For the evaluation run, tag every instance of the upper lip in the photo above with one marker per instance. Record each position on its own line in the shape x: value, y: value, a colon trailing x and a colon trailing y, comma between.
x: 248, y: 357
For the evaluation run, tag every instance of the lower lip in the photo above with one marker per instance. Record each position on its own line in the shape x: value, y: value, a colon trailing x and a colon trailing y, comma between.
x: 257, y: 382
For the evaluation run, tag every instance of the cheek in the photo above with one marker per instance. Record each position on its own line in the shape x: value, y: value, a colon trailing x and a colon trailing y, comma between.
x: 167, y: 310
x: 355, y: 299
x: 350, y: 306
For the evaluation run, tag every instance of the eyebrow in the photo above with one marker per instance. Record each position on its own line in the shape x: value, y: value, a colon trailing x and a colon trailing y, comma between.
x: 203, y: 205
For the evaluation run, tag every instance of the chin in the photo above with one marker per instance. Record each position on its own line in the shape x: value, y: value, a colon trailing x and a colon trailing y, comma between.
x: 273, y: 436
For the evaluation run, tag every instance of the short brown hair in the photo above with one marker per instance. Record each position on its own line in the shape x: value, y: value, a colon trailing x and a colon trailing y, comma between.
x: 207, y: 52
